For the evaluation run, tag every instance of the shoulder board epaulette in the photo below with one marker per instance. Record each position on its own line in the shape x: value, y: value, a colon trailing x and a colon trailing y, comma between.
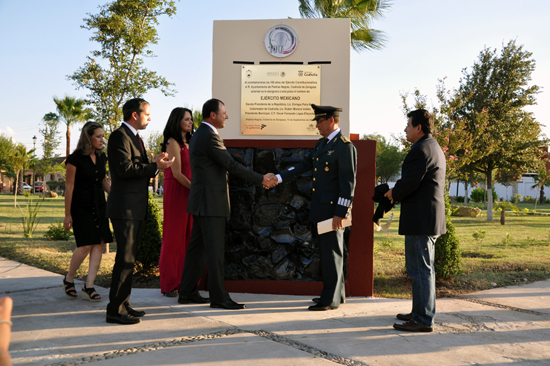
x: 345, y: 139
x: 322, y: 137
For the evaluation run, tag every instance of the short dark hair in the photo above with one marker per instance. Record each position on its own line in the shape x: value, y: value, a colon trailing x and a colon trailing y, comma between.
x: 131, y: 106
x: 173, y: 127
x: 423, y: 118
x: 212, y: 105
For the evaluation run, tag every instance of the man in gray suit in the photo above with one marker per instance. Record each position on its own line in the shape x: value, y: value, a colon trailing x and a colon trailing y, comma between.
x: 127, y: 204
x: 209, y: 204
x: 421, y: 193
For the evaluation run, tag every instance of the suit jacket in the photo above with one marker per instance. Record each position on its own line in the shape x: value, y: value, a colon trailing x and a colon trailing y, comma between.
x: 421, y: 189
x: 334, y: 166
x: 210, y: 165
x: 130, y: 173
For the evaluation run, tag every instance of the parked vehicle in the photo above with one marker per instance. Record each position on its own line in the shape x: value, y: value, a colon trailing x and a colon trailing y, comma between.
x: 39, y: 187
x: 26, y: 187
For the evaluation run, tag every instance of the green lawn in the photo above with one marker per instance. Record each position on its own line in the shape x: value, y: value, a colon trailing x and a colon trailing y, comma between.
x: 508, y: 254
x: 517, y: 252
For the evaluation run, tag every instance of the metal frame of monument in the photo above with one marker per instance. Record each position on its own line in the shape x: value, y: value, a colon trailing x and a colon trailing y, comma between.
x: 238, y: 43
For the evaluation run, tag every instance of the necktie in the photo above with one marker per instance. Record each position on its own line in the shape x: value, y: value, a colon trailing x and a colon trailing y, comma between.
x: 140, y: 143
x: 325, y: 142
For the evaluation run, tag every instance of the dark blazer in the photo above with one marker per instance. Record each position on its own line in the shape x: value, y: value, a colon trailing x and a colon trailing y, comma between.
x: 334, y: 166
x: 421, y: 189
x: 130, y: 173
x: 210, y: 164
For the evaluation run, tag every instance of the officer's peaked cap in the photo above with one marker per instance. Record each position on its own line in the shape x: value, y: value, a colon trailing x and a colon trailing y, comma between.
x: 325, y: 111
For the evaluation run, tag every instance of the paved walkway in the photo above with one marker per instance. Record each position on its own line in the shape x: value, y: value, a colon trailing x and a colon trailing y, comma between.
x: 503, y: 326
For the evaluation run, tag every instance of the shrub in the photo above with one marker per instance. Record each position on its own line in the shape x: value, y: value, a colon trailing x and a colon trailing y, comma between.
x: 58, y: 232
x: 459, y: 198
x: 528, y: 199
x: 479, y: 235
x: 507, y: 206
x: 517, y: 198
x: 478, y: 194
x: 151, y: 239
x: 448, y: 262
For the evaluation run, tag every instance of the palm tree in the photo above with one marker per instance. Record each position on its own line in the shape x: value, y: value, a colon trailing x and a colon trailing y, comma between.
x: 20, y: 161
x: 69, y: 110
x: 361, y: 14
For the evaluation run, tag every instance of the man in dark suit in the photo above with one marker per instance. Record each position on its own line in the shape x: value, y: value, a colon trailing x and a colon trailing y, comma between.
x: 421, y: 193
x: 127, y: 203
x: 334, y: 164
x: 209, y: 204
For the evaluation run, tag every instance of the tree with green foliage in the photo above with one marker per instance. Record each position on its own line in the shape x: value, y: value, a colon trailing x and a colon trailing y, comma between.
x: 388, y: 158
x: 541, y: 179
x: 506, y: 177
x: 497, y: 87
x: 124, y: 29
x: 51, y: 139
x: 18, y: 162
x: 70, y: 110
x: 361, y: 14
x: 50, y: 134
x: 153, y: 145
x: 197, y: 119
x: 7, y: 147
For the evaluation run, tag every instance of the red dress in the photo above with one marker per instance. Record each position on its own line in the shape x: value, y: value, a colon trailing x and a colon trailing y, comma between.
x: 176, y: 229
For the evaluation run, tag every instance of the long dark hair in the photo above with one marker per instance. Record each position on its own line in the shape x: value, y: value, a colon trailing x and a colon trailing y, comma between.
x: 173, y: 127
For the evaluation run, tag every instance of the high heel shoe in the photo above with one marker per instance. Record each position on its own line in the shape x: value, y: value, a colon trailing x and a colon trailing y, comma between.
x: 68, y: 288
x: 87, y: 294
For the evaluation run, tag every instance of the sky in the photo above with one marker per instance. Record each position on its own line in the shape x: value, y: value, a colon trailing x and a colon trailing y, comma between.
x: 427, y: 40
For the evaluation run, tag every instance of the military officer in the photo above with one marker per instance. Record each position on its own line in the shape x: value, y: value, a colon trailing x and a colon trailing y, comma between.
x: 334, y: 164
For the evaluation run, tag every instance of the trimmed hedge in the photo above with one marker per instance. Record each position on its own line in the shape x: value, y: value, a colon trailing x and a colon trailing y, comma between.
x: 448, y: 258
x: 151, y: 239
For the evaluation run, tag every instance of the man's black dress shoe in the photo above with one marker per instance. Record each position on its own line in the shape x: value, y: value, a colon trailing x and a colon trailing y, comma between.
x: 319, y: 307
x: 229, y: 305
x: 318, y: 300
x: 411, y: 326
x: 122, y: 319
x: 194, y: 298
x: 135, y: 313
x: 404, y: 317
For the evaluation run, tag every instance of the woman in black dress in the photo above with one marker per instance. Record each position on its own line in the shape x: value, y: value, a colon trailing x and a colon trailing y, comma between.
x: 85, y: 208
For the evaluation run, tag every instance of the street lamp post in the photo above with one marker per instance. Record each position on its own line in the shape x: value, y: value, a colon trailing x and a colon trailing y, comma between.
x: 34, y: 138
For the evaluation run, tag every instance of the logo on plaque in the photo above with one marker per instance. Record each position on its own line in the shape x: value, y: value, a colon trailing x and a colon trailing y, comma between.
x: 281, y: 41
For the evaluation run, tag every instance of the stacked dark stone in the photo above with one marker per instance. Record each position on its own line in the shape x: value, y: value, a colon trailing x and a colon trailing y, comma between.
x: 268, y: 236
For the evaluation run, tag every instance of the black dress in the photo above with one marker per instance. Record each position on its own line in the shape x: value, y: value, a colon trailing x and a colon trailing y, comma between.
x: 88, y: 207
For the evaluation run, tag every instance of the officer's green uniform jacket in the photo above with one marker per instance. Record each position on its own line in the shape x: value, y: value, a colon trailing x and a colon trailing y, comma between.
x: 334, y: 166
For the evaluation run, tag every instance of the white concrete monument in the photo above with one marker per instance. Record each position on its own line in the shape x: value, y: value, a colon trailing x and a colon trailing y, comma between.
x: 268, y: 72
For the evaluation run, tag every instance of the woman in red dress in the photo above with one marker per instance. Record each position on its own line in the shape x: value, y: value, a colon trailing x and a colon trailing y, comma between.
x: 176, y: 229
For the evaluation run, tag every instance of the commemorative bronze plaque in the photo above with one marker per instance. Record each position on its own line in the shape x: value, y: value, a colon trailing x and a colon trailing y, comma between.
x: 276, y: 99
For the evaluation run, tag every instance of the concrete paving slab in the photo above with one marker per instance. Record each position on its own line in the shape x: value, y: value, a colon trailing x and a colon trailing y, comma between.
x: 534, y: 296
x: 15, y: 277
x: 49, y: 328
x: 242, y: 349
x: 361, y: 330
x: 503, y: 326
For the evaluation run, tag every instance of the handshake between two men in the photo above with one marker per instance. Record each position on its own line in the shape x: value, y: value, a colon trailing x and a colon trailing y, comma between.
x: 270, y: 181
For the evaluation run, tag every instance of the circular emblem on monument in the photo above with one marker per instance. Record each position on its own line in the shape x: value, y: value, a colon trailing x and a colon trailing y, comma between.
x: 281, y: 41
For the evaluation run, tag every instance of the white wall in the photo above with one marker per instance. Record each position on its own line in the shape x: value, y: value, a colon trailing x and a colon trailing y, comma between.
x: 523, y: 188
